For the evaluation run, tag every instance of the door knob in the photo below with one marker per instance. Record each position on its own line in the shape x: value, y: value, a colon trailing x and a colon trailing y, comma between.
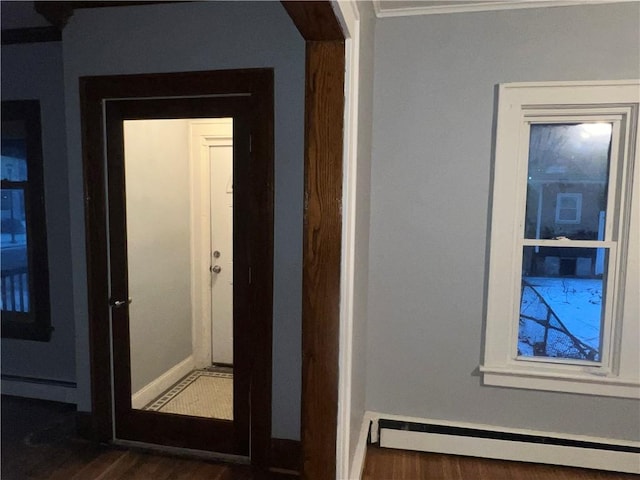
x: 216, y: 269
x: 119, y: 303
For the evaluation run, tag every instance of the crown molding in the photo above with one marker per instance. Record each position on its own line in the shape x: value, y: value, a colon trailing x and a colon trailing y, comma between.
x: 482, y: 6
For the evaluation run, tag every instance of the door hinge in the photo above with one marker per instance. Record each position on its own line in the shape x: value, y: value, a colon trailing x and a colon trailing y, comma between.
x: 249, y: 275
x: 250, y: 143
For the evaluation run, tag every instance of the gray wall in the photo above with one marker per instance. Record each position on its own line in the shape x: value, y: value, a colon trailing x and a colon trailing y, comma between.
x: 159, y: 240
x: 20, y: 15
x: 362, y: 215
x: 34, y: 71
x: 203, y: 36
x: 435, y: 79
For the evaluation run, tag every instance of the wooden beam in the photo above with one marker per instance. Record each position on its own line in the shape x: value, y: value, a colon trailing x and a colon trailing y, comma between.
x: 59, y: 13
x: 321, y: 256
x: 31, y: 35
x: 315, y: 20
x: 324, y: 109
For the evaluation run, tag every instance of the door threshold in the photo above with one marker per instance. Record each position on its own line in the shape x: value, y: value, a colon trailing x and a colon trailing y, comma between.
x: 183, y: 452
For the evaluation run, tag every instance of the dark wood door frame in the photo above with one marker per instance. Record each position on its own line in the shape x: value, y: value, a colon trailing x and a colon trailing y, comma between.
x: 178, y: 430
x: 324, y: 107
x: 94, y: 91
x: 324, y: 112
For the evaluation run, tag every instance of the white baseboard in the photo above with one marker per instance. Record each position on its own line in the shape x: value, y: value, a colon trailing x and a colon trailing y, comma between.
x: 41, y: 389
x: 582, y: 451
x: 150, y: 391
x: 357, y: 464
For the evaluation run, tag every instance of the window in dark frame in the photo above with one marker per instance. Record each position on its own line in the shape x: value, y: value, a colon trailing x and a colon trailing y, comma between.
x: 24, y: 287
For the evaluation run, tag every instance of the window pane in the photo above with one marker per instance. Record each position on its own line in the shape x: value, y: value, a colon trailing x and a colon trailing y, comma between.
x: 14, y: 285
x: 561, y: 305
x: 567, y: 180
x: 14, y: 151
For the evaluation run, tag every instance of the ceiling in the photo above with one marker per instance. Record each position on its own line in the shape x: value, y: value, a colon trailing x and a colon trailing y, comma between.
x: 20, y: 15
x: 38, y: 14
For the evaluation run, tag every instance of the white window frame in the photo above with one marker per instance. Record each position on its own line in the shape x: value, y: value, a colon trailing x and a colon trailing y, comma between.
x: 520, y: 105
x: 577, y: 218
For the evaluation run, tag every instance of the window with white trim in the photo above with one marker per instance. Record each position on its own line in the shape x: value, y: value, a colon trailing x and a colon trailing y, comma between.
x: 563, y: 306
x: 569, y: 207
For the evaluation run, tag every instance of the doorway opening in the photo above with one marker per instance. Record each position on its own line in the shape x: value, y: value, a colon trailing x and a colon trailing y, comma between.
x: 165, y: 262
x: 180, y: 264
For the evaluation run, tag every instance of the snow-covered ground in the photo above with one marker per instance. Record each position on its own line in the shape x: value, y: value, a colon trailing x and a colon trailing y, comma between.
x: 576, y: 302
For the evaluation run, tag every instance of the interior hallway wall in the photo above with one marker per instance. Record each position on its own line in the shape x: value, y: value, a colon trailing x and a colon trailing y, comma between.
x: 158, y: 186
x: 191, y: 36
x: 435, y: 92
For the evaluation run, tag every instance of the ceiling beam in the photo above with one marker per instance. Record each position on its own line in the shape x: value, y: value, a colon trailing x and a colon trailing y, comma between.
x: 59, y: 13
x: 315, y: 20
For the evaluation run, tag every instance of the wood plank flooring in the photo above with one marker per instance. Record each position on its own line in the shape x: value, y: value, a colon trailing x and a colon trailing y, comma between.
x: 390, y: 464
x: 39, y: 443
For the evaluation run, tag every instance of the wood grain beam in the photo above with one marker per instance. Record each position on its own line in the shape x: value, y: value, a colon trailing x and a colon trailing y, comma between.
x: 59, y: 13
x: 315, y: 20
x: 321, y: 256
x: 31, y: 35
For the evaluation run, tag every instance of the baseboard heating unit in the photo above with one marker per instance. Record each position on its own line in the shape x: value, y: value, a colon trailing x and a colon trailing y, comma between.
x: 40, y: 388
x: 521, y: 446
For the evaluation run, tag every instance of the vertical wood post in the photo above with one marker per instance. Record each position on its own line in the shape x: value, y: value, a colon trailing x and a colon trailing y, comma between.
x: 324, y: 113
x: 321, y: 256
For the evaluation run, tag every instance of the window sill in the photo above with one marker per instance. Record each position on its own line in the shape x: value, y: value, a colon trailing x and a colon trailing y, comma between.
x: 584, y: 383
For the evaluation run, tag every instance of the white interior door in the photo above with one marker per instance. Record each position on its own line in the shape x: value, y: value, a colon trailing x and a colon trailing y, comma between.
x: 221, y: 163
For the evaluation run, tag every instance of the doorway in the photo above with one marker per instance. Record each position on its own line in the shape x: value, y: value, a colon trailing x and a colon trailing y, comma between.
x: 140, y: 260
x: 180, y: 264
x: 212, y: 183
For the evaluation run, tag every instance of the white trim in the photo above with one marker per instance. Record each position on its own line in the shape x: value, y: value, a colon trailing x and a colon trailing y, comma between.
x: 360, y: 454
x: 203, y: 134
x: 510, y: 450
x: 577, y: 215
x: 349, y: 17
x: 41, y: 390
x: 348, y: 13
x: 617, y: 373
x: 153, y: 389
x: 530, y: 379
x: 475, y: 6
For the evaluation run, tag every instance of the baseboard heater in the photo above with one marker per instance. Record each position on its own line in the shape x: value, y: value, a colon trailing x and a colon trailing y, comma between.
x: 39, y: 388
x: 522, y: 447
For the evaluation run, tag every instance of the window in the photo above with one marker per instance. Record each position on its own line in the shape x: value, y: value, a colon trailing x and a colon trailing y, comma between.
x: 24, y: 286
x: 564, y: 277
x: 569, y: 207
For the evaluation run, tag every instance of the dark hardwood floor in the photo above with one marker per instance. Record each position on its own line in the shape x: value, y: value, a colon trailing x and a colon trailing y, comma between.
x: 39, y: 442
x: 390, y: 464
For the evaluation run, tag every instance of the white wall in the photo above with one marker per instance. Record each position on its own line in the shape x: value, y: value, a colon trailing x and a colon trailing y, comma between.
x: 34, y: 71
x: 203, y: 36
x: 435, y: 86
x: 158, y: 185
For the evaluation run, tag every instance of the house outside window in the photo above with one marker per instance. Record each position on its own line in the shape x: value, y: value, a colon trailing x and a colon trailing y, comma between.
x: 569, y: 208
x: 562, y: 307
